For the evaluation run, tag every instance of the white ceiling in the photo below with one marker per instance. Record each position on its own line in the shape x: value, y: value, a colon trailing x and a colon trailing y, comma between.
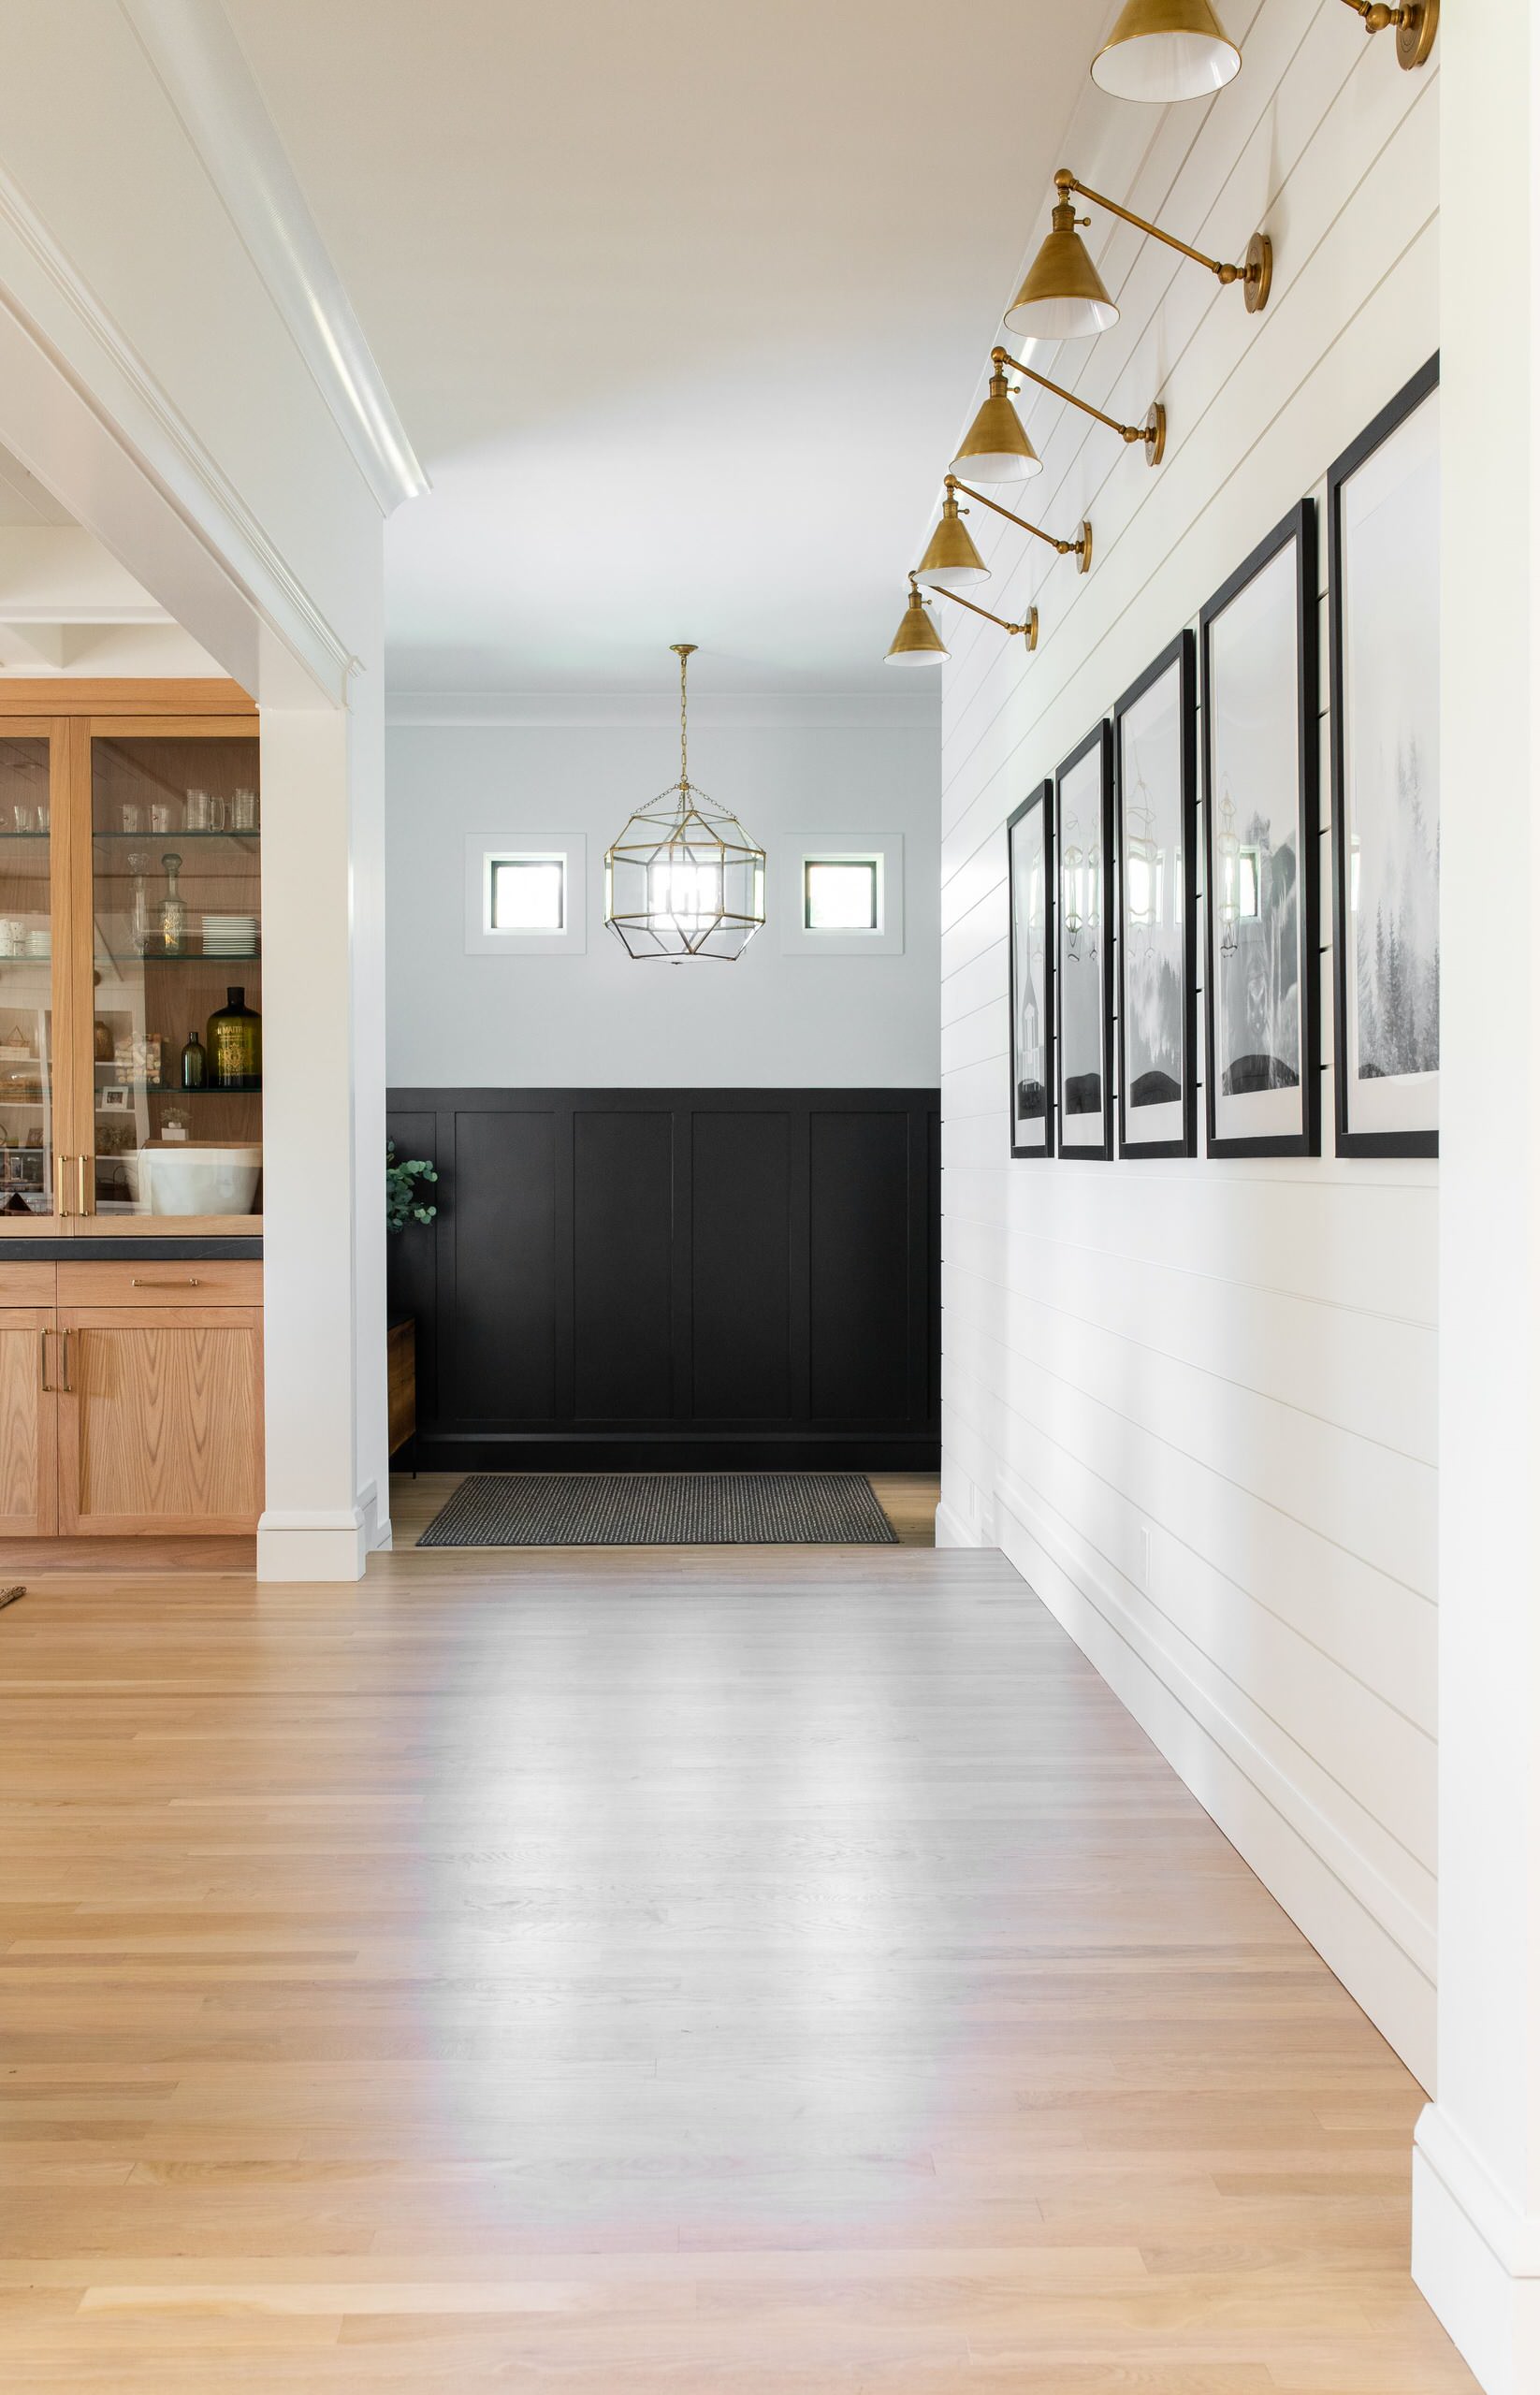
x: 679, y: 302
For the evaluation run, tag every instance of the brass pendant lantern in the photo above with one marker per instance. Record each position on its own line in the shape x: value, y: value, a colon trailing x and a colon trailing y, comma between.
x: 684, y: 878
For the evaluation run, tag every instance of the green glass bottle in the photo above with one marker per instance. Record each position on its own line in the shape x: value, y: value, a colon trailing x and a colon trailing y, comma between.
x: 235, y: 1045
x: 194, y: 1062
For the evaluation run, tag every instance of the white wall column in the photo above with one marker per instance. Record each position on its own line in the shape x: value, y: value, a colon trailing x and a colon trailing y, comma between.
x: 1476, y: 2194
x: 313, y: 1527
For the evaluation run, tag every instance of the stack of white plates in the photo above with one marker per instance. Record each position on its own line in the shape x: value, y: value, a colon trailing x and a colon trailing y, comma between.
x: 229, y: 936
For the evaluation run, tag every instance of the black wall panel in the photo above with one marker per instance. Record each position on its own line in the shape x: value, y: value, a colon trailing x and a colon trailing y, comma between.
x: 741, y: 1266
x: 622, y: 1260
x: 674, y: 1278
x: 862, y: 1204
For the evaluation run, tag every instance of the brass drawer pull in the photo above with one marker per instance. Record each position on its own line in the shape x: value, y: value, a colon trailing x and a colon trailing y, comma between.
x: 67, y: 1385
x: 49, y: 1388
x: 60, y: 1162
x: 85, y: 1195
x: 190, y: 1282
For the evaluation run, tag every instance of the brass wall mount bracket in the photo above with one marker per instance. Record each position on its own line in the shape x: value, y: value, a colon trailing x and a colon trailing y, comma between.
x: 1415, y: 24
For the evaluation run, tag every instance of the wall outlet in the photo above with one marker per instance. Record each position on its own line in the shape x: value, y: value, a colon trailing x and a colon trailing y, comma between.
x: 1146, y: 1553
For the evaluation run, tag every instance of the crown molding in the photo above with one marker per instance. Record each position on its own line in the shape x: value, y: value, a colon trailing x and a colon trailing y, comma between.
x: 644, y: 710
x: 54, y: 310
x: 192, y: 50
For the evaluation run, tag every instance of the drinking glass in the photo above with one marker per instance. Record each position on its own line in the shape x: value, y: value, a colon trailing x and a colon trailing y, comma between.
x: 243, y: 811
x: 218, y: 813
x: 133, y: 816
x: 195, y: 815
x: 163, y: 814
x: 21, y: 818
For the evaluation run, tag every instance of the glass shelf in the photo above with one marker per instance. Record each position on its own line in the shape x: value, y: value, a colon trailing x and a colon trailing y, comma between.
x: 174, y: 1089
x: 108, y: 956
x: 26, y: 835
x: 142, y: 836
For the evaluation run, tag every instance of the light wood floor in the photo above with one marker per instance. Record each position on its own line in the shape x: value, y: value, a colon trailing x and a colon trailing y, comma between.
x: 714, y: 1972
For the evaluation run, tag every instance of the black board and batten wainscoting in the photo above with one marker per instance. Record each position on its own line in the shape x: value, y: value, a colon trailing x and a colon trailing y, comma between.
x: 677, y: 1280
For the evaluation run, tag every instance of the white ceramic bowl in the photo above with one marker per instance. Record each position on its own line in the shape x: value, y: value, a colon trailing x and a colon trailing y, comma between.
x: 198, y: 1176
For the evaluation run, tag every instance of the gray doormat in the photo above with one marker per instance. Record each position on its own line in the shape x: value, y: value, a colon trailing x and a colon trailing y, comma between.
x: 661, y: 1509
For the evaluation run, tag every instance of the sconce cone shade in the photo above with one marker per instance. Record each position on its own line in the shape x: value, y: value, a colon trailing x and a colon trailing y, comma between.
x: 1165, y: 49
x: 996, y: 448
x: 917, y: 642
x: 1063, y: 297
x: 951, y: 562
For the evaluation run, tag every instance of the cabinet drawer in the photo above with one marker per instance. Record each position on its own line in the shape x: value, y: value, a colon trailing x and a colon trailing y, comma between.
x: 203, y: 1281
x: 26, y: 1284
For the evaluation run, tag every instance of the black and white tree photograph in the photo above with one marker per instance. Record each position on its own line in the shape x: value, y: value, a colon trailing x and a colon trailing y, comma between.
x: 1028, y: 850
x: 1261, y: 818
x: 1383, y: 496
x: 1083, y: 825
x: 1154, y: 743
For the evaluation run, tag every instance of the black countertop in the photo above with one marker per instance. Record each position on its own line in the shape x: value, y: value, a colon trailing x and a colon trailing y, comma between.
x: 185, y: 1250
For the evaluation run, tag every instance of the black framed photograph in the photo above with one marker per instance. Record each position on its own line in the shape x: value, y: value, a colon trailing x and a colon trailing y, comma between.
x: 1259, y: 643
x: 1155, y: 773
x: 1083, y: 846
x: 1030, y: 858
x: 1382, y: 540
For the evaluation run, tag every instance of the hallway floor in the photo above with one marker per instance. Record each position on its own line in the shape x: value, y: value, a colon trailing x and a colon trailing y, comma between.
x: 713, y: 1972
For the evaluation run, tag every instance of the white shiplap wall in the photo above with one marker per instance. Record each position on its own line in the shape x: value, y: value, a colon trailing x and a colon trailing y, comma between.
x: 1238, y: 1359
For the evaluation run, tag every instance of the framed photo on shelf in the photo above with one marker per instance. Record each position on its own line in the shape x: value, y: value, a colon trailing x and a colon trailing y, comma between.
x: 1382, y: 541
x: 1261, y: 771
x: 1155, y: 767
x: 1029, y: 864
x: 1082, y: 836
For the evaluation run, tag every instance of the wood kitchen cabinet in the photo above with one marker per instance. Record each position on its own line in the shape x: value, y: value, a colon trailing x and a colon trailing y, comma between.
x: 160, y: 1420
x: 132, y: 1402
x: 130, y: 908
x: 28, y: 1424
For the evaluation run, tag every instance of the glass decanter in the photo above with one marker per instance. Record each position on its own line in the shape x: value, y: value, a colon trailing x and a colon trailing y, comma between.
x: 173, y: 912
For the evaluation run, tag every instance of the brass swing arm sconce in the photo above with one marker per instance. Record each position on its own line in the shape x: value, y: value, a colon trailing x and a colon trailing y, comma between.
x: 1415, y: 24
x: 1255, y: 274
x: 1151, y: 432
x: 1065, y: 297
x: 1080, y: 550
x: 1028, y: 631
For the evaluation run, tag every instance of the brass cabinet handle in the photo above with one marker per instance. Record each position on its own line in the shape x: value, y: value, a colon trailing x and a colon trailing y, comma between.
x: 60, y: 1162
x: 67, y: 1385
x: 191, y: 1281
x: 83, y: 1190
x: 42, y: 1345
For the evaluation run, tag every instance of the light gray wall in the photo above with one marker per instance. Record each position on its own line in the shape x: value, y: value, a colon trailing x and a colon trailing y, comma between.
x: 599, y: 1020
x: 1196, y: 1403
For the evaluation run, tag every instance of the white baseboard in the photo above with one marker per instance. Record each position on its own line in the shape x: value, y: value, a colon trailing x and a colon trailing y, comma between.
x: 320, y: 1545
x: 951, y: 1529
x: 1477, y: 2258
x: 1329, y: 1890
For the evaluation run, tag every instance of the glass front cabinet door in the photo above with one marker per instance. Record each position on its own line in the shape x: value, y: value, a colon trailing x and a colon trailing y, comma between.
x: 30, y: 1142
x: 131, y: 973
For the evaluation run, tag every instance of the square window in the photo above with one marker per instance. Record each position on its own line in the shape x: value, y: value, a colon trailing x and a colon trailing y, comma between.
x: 840, y: 895
x: 527, y: 894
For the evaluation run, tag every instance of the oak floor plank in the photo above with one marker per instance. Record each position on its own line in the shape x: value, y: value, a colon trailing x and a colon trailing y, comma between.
x: 655, y: 1972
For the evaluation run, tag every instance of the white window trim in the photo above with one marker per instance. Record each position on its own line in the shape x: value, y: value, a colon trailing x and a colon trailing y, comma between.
x: 483, y: 850
x: 794, y: 851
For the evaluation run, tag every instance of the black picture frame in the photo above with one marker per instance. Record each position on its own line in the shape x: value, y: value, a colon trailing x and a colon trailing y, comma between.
x: 1041, y: 798
x: 1297, y: 531
x: 1100, y: 916
x: 1180, y: 657
x: 1413, y: 394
